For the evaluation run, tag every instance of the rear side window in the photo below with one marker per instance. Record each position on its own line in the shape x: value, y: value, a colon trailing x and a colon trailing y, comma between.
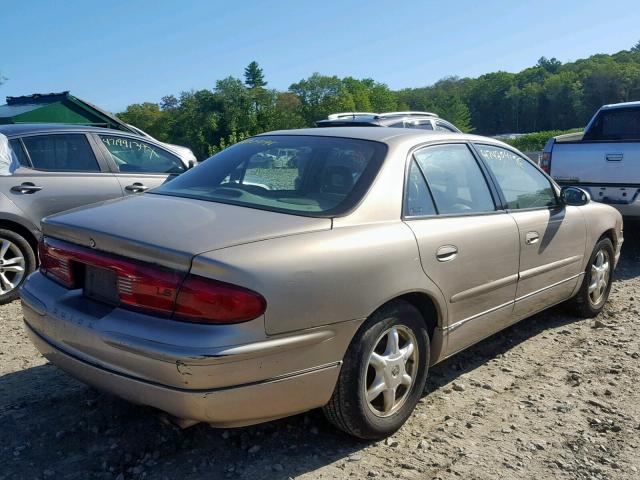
x: 441, y: 127
x: 616, y: 124
x: 136, y: 156
x: 418, y: 201
x: 522, y: 185
x: 455, y: 179
x: 18, y: 151
x: 61, y: 153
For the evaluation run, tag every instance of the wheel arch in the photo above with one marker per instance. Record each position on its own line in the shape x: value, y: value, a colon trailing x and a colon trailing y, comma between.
x: 432, y: 314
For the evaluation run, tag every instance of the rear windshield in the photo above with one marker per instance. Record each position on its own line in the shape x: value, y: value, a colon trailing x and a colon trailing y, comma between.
x: 304, y: 175
x: 615, y: 124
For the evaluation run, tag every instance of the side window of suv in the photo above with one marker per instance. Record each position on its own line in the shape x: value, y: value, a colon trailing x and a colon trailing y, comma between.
x: 455, y: 179
x: 61, y: 153
x: 522, y: 184
x: 132, y: 155
x: 441, y: 127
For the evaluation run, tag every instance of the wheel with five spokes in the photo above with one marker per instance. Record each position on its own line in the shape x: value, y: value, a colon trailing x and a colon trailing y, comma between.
x: 17, y: 261
x: 383, y: 373
x: 597, y: 280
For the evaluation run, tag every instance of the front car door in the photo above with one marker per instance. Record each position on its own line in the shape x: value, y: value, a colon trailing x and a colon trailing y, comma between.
x: 467, y: 246
x: 139, y: 165
x: 57, y: 172
x: 552, y: 236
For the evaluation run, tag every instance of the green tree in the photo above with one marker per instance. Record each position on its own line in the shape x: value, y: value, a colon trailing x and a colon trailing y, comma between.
x: 254, y: 76
x: 148, y: 117
x: 551, y: 65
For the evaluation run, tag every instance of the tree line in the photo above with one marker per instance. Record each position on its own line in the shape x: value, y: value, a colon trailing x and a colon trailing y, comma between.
x: 547, y: 96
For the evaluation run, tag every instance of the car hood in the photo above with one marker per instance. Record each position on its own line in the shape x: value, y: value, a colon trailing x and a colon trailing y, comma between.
x: 169, y: 230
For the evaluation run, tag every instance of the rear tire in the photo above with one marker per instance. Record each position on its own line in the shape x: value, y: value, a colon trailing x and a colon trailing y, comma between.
x: 17, y: 261
x: 383, y: 373
x: 597, y: 281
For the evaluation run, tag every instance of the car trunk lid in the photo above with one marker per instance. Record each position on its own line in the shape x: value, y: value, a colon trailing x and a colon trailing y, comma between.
x: 169, y: 231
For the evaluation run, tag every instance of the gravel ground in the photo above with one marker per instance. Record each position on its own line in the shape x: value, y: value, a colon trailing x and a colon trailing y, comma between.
x: 553, y: 397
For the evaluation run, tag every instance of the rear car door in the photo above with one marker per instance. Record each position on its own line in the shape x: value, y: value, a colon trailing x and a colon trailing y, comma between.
x: 139, y: 165
x: 467, y: 246
x: 58, y: 171
x: 552, y: 236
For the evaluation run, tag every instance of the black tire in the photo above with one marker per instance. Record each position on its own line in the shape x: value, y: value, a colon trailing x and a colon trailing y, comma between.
x: 24, y: 249
x: 349, y: 409
x: 586, y: 306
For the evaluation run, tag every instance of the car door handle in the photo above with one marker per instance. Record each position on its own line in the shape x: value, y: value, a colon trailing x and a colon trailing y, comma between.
x: 446, y: 253
x: 614, y: 157
x: 26, y: 187
x: 136, y: 187
x: 531, y: 238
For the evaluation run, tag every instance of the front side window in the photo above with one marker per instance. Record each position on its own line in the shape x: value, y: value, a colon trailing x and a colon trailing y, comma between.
x: 455, y: 179
x: 61, y: 153
x: 522, y: 185
x: 136, y: 156
x: 307, y: 175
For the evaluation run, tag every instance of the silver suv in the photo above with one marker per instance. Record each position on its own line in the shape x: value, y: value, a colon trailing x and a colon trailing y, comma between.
x: 419, y: 120
x: 50, y: 168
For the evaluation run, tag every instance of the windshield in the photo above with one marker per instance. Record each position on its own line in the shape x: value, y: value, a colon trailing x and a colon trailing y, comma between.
x: 304, y: 175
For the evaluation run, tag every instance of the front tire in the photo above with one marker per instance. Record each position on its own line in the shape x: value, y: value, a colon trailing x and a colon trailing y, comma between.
x: 597, y: 281
x: 17, y: 261
x: 383, y: 373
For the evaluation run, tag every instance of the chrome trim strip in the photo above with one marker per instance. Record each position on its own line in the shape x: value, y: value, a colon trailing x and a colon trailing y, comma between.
x: 215, y: 355
x: 485, y: 288
x: 459, y: 323
x: 532, y: 272
x: 549, y: 286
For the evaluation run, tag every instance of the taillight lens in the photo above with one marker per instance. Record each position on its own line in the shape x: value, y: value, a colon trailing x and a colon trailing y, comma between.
x: 153, y: 289
x: 545, y: 162
x: 55, y: 263
x: 204, y: 300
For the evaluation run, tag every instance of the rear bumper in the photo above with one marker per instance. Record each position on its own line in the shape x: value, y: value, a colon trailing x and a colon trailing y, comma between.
x: 624, y: 199
x: 225, y: 407
x: 227, y: 375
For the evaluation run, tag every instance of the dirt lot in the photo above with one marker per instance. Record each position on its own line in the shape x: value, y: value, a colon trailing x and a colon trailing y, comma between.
x: 553, y: 397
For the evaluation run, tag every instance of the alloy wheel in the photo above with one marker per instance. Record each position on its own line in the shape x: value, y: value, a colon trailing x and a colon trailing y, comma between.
x: 600, y: 272
x: 391, y: 371
x: 12, y: 266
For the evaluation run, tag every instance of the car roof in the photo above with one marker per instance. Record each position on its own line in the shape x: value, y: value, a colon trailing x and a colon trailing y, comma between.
x: 613, y: 106
x: 27, y: 128
x: 388, y: 135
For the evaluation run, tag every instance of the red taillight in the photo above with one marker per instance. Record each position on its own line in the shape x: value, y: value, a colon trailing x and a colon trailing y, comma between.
x: 55, y: 263
x: 153, y: 289
x: 208, y: 301
x: 545, y: 162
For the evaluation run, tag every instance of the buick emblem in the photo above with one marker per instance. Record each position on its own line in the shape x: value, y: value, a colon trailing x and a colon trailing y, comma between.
x: 92, y: 243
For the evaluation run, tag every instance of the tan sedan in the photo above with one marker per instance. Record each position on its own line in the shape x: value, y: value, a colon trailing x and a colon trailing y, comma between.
x: 313, y: 268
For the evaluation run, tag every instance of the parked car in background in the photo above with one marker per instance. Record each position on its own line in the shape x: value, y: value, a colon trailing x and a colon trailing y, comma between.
x: 66, y: 109
x: 185, y: 154
x: 604, y: 160
x: 331, y: 281
x: 57, y: 167
x: 419, y: 120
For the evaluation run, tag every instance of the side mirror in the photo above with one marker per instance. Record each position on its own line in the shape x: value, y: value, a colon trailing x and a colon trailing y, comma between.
x: 191, y: 165
x: 574, y: 196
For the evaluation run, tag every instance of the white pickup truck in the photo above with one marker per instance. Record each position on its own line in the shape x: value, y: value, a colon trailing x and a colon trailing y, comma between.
x: 604, y: 160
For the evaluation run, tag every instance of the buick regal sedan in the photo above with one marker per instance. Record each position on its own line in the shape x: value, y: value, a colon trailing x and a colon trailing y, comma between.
x: 334, y: 277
